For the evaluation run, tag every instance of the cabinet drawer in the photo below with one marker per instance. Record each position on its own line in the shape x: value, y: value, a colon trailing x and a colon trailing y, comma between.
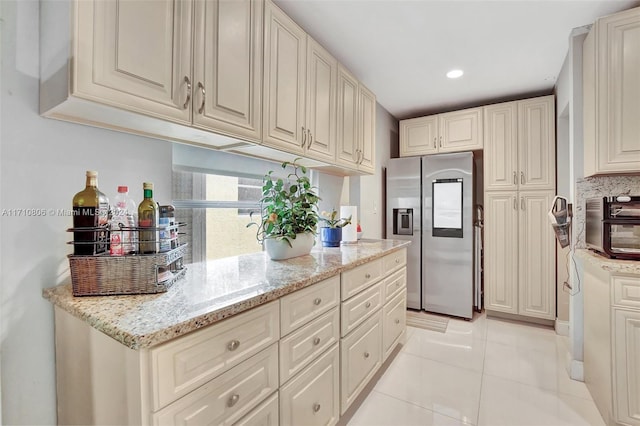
x: 360, y: 277
x: 394, y: 322
x: 300, y: 307
x: 183, y: 364
x: 393, y: 284
x: 301, y: 347
x: 265, y: 414
x: 312, y: 397
x: 355, y: 310
x: 227, y: 398
x: 393, y: 261
x: 626, y: 291
x: 360, y: 358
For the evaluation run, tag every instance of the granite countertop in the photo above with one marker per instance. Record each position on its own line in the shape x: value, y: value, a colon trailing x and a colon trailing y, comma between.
x: 611, y: 265
x: 212, y: 291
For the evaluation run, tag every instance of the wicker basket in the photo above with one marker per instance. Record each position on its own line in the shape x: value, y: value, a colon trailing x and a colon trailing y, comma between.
x: 133, y: 274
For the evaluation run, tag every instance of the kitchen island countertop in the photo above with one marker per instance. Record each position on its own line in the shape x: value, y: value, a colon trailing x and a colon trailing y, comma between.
x: 212, y: 291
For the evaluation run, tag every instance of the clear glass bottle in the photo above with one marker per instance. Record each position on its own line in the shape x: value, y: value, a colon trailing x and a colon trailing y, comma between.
x: 148, y: 218
x: 90, y: 210
x: 125, y: 214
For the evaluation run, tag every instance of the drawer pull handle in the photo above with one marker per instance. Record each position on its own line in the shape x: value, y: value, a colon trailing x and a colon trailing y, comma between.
x: 188, y: 101
x: 233, y: 400
x: 397, y: 321
x: 367, y: 305
x: 317, y: 301
x: 316, y: 341
x: 316, y: 407
x: 367, y: 276
x: 201, y: 87
x: 233, y: 345
x: 397, y: 260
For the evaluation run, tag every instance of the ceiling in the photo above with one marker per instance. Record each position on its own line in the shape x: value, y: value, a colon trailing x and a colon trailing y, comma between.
x: 402, y: 49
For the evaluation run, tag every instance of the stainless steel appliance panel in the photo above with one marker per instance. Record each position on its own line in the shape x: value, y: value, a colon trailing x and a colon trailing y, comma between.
x: 403, y: 201
x: 447, y: 262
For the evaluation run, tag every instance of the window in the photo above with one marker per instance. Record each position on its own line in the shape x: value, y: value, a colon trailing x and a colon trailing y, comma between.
x: 217, y: 210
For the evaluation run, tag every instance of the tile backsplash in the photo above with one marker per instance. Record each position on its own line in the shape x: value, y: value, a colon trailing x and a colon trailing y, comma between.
x: 598, y: 186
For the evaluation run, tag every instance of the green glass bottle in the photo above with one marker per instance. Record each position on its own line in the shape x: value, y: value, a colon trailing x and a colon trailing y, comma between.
x: 148, y: 218
x: 91, y: 211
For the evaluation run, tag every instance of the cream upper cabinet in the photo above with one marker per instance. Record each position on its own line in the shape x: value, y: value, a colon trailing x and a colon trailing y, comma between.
x: 519, y: 255
x: 322, y: 80
x: 501, y: 251
x: 460, y: 130
x: 367, y: 130
x: 500, y: 147
x: 537, y: 143
x: 285, y: 59
x: 519, y: 145
x: 227, y: 82
x: 611, y: 85
x: 135, y: 55
x: 356, y: 123
x: 419, y: 136
x: 449, y: 132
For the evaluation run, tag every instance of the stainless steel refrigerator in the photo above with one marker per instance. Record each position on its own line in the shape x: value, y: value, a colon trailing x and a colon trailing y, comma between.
x: 430, y: 202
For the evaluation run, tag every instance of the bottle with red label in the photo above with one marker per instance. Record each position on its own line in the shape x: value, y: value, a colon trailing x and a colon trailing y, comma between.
x: 148, y: 241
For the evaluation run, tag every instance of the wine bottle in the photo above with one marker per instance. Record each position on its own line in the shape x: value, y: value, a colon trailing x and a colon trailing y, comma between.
x: 148, y: 218
x: 91, y: 211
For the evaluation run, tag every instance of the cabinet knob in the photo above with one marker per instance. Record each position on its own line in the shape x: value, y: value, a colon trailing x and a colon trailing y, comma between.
x: 316, y: 341
x: 367, y: 305
x: 316, y: 407
x: 367, y: 276
x: 397, y: 321
x: 188, y: 101
x: 397, y: 260
x: 317, y: 301
x: 233, y: 345
x: 233, y: 400
x: 398, y: 283
x: 366, y: 355
x: 201, y: 87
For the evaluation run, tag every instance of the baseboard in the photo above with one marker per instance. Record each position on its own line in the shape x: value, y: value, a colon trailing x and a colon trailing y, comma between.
x: 575, y: 369
x: 520, y: 318
x: 562, y: 327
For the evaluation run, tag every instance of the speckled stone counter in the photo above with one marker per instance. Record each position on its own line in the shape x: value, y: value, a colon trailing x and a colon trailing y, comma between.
x: 611, y: 265
x: 211, y: 292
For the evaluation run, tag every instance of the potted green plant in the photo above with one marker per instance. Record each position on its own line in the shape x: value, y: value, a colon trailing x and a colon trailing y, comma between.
x: 289, y: 213
x: 332, y: 233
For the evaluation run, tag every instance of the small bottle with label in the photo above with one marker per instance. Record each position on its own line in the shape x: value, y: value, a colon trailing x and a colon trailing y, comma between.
x: 168, y: 233
x: 148, y: 218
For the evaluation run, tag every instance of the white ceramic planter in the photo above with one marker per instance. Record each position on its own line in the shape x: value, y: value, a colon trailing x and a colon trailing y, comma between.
x: 278, y: 249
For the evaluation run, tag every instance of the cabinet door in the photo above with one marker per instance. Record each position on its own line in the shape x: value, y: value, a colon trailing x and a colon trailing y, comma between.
x: 618, y: 104
x: 367, y: 130
x: 501, y: 147
x: 501, y: 251
x: 536, y: 253
x: 322, y: 70
x: 419, y: 136
x: 537, y: 143
x: 312, y: 397
x: 135, y: 55
x: 347, y: 110
x: 227, y: 83
x: 284, y: 81
x: 394, y: 323
x: 626, y: 353
x: 460, y: 130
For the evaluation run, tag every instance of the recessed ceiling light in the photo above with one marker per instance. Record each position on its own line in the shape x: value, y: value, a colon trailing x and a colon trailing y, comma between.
x: 455, y: 73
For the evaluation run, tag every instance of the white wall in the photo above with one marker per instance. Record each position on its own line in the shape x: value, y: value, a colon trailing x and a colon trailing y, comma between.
x: 42, y: 165
x: 368, y: 191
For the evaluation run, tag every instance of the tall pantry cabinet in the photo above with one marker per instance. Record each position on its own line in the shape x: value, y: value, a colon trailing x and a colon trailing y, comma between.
x: 519, y: 180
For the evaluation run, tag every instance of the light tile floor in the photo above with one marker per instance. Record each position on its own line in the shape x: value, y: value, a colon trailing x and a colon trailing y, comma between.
x: 480, y: 372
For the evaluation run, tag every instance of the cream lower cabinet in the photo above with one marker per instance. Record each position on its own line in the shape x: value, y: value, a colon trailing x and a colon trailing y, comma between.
x: 455, y: 131
x: 611, y: 86
x: 612, y: 343
x: 519, y: 253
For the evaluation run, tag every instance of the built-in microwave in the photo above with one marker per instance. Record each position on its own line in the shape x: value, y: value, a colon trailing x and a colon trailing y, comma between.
x: 613, y: 226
